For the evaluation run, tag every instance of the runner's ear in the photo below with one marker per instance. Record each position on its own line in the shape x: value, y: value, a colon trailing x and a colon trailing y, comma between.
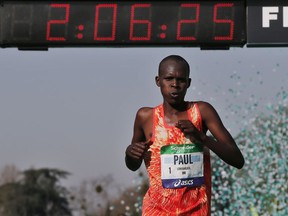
x: 189, y: 82
x: 157, y: 81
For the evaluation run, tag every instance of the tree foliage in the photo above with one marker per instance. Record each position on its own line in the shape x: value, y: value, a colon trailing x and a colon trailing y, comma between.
x: 37, y: 193
x: 130, y: 200
x: 260, y: 188
x: 92, y: 196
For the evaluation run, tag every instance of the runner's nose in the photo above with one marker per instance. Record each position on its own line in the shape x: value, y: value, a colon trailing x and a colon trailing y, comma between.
x: 174, y: 83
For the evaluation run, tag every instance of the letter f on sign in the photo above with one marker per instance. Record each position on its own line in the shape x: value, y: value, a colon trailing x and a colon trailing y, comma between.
x: 269, y: 13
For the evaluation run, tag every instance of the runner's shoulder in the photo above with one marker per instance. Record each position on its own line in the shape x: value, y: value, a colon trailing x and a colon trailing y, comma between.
x: 144, y: 114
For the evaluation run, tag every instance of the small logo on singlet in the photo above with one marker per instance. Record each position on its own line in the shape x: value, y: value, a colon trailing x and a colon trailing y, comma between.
x: 183, y: 183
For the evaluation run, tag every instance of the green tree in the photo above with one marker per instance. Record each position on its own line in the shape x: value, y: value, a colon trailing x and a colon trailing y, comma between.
x: 37, y: 193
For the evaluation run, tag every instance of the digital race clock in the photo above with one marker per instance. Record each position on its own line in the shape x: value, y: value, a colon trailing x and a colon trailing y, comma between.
x: 122, y: 23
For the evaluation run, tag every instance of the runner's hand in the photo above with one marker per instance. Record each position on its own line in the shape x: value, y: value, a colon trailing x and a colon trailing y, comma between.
x: 138, y: 150
x: 189, y: 130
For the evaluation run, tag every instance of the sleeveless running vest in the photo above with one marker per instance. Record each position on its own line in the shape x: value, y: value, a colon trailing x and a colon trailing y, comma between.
x: 159, y: 201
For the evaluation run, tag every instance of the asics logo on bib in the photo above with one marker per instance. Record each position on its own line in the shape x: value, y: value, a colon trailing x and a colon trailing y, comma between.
x: 183, y: 183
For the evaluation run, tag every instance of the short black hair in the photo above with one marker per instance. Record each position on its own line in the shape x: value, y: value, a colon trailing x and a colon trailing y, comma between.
x: 175, y: 58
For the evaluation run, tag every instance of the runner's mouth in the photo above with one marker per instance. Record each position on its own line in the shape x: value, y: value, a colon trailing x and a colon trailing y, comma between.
x: 175, y: 94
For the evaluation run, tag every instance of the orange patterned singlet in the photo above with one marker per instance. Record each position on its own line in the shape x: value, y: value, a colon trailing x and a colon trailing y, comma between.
x: 181, y: 201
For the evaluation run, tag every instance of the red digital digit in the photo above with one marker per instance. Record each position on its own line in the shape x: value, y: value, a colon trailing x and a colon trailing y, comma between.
x: 134, y: 22
x: 224, y: 21
x: 113, y: 21
x: 57, y: 22
x: 188, y: 21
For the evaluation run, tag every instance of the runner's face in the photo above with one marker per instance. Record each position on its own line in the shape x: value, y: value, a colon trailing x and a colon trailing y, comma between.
x: 173, y: 82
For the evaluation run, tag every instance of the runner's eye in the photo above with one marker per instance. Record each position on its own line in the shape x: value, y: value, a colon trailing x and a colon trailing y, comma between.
x: 169, y: 78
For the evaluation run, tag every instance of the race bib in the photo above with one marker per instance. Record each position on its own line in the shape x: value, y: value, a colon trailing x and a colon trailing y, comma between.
x: 182, y: 165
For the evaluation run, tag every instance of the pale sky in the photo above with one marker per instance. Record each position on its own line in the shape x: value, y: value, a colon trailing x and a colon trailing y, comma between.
x: 74, y: 108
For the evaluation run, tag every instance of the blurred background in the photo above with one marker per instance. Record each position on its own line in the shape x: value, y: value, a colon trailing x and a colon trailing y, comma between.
x: 67, y: 116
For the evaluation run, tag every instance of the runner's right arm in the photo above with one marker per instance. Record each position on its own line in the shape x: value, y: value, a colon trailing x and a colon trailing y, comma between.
x: 139, y: 145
